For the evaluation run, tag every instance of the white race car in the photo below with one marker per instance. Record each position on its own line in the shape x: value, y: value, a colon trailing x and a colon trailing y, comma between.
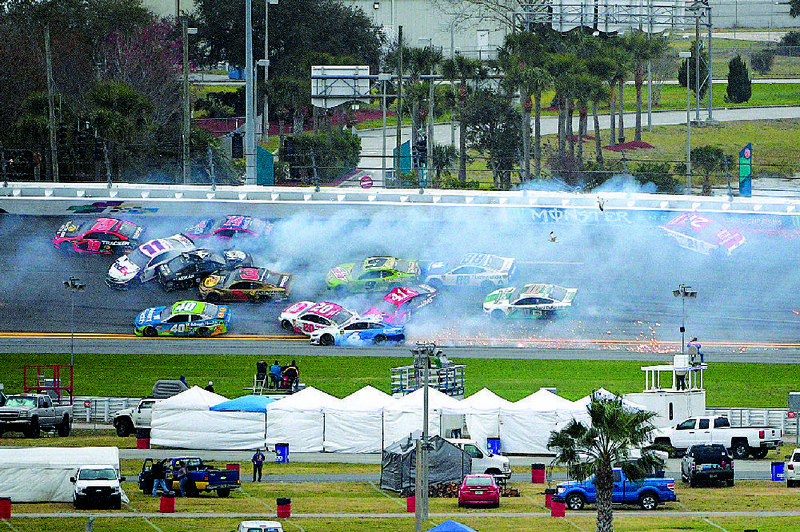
x: 533, y: 300
x: 306, y: 317
x: 474, y: 269
x: 141, y: 264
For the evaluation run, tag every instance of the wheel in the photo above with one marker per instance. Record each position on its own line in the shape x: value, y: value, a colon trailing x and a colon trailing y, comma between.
x: 150, y: 332
x: 33, y: 431
x: 497, y: 315
x: 124, y: 426
x: 190, y: 489
x: 64, y: 427
x: 223, y: 492
x: 648, y: 501
x: 729, y: 482
x: 740, y: 450
x: 488, y: 286
x: 380, y: 339
x: 287, y: 325
x: 169, y: 287
x: 759, y: 453
x: 204, y: 332
x: 340, y: 290
x: 574, y: 501
x: 460, y: 504
x: 78, y: 504
x: 326, y: 339
x: 790, y: 483
x: 116, y: 504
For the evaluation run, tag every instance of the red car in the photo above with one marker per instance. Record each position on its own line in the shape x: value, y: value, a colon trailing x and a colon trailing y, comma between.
x: 104, y: 235
x: 479, y: 489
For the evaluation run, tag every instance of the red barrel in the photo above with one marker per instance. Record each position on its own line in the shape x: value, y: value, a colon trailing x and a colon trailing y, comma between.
x: 5, y: 507
x: 167, y: 505
x: 142, y: 443
x: 284, y: 507
x: 548, y: 500
x: 556, y: 508
x: 411, y: 504
x: 537, y: 473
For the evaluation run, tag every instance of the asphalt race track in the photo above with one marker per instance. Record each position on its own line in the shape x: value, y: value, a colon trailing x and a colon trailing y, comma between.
x: 624, y: 266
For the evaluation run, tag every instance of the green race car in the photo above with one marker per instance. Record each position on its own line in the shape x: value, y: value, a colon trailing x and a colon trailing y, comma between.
x: 375, y: 273
x: 184, y: 318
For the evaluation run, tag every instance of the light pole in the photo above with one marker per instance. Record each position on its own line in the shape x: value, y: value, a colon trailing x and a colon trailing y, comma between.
x: 686, y: 56
x: 73, y: 284
x: 187, y: 104
x: 684, y: 291
x: 422, y: 355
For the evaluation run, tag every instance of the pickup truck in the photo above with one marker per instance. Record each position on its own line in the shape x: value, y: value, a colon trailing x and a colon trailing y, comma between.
x: 29, y: 413
x: 707, y: 462
x: 647, y: 493
x: 484, y: 462
x: 202, y: 477
x: 741, y: 441
x: 97, y: 485
x: 128, y: 420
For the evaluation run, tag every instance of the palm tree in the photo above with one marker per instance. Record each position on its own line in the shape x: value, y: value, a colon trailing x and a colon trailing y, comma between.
x: 462, y: 69
x: 596, y: 449
x: 642, y: 48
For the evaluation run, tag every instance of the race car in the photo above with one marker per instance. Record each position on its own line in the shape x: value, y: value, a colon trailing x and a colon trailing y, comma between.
x: 246, y: 284
x: 374, y: 273
x: 103, y: 235
x: 183, y: 318
x: 227, y: 227
x: 474, y: 269
x: 700, y: 233
x: 140, y: 265
x: 190, y: 267
x: 306, y: 317
x: 399, y: 305
x: 535, y: 300
x: 366, y: 330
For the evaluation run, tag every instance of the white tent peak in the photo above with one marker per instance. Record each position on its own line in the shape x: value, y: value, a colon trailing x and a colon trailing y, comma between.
x: 306, y: 399
x: 195, y: 398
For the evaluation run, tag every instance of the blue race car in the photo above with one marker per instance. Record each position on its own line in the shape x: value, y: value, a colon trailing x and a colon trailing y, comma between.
x: 362, y: 331
x: 184, y: 318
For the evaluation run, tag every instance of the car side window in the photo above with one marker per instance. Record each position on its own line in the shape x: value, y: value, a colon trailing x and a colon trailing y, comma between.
x: 687, y: 425
x: 617, y: 476
x: 179, y: 318
x: 702, y: 424
x: 473, y: 451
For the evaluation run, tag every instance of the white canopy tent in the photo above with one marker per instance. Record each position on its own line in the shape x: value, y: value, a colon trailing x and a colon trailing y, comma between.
x: 406, y: 414
x: 482, y: 414
x: 299, y: 420
x: 355, y: 424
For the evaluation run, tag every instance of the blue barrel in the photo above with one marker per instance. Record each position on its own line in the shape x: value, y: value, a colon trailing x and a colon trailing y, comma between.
x: 493, y: 444
x: 281, y: 453
x: 777, y: 471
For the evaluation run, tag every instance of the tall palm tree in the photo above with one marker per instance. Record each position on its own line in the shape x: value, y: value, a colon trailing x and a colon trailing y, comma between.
x: 597, y: 448
x: 462, y: 69
x: 601, y: 68
x: 642, y: 48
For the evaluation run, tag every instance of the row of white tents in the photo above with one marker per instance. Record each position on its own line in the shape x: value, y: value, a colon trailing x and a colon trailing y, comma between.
x: 366, y: 421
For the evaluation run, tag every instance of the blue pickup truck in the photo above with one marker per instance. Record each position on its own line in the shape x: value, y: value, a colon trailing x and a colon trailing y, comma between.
x: 201, y: 477
x: 647, y: 493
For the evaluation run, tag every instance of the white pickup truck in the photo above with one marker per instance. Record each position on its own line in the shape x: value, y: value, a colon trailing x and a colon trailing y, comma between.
x: 129, y: 420
x: 484, y: 462
x: 741, y: 441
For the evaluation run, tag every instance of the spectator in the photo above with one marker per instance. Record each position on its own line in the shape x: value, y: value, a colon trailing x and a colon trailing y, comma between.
x: 275, y: 372
x: 183, y: 380
x: 290, y: 375
x: 261, y: 371
x: 210, y: 387
x: 258, y: 463
x: 694, y: 347
x: 680, y: 363
x: 181, y: 476
x: 159, y: 472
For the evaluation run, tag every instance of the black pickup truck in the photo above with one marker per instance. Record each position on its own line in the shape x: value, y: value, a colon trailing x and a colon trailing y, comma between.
x: 707, y: 462
x: 201, y: 477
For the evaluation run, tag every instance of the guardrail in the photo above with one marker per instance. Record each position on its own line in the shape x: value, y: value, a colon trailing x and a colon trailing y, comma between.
x: 88, y: 409
x: 770, y: 417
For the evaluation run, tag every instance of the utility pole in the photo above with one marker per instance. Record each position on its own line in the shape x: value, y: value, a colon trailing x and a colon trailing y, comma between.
x: 186, y: 105
x: 51, y: 111
x: 399, y: 137
x: 249, y: 126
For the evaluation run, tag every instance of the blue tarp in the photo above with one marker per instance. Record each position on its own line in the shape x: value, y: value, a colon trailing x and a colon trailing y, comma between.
x: 246, y: 403
x: 452, y: 526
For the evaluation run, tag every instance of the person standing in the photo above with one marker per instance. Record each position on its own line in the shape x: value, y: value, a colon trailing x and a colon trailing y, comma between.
x: 159, y: 472
x: 183, y: 380
x: 258, y: 463
x: 182, y: 476
x: 210, y: 387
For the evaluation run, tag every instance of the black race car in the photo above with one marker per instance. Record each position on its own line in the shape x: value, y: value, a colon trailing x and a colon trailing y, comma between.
x: 189, y: 268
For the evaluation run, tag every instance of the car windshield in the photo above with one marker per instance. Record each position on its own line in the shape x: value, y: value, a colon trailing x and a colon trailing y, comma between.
x: 343, y: 316
x: 138, y: 258
x: 558, y: 293
x: 127, y: 229
x: 495, y: 263
x: 478, y: 481
x: 97, y: 474
x: 21, y: 401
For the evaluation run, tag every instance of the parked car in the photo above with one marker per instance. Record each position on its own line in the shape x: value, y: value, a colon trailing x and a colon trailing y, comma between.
x: 202, y: 477
x: 97, y: 485
x: 128, y: 420
x: 707, y: 462
x: 648, y: 493
x: 483, y: 460
x: 29, y: 413
x: 742, y: 441
x: 479, y: 489
x: 791, y: 469
x: 260, y: 526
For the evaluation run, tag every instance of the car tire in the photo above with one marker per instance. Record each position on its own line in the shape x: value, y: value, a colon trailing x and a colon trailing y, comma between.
x: 204, y: 332
x: 648, y: 501
x: 497, y: 315
x: 740, y: 450
x: 790, y: 483
x: 150, y: 332
x: 575, y: 501
x: 212, y: 297
x: 326, y: 339
x: 730, y: 482
x: 380, y: 339
x: 124, y: 427
x: 33, y: 431
x: 64, y: 427
x: 286, y: 325
x: 190, y: 488
x: 460, y: 504
x: 223, y: 493
x: 340, y: 290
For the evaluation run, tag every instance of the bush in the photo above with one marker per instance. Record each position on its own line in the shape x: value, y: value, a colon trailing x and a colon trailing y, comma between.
x: 789, y: 45
x: 333, y: 156
x: 739, y: 89
x: 660, y: 174
x: 761, y: 61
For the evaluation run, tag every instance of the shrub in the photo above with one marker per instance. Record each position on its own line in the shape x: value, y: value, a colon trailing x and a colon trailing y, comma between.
x: 739, y: 89
x: 761, y: 61
x: 660, y: 174
x: 789, y: 45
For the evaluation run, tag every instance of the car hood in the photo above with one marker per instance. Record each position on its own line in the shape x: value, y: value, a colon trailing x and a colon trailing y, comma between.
x: 499, y: 298
x: 97, y: 483
x: 150, y: 316
x: 342, y: 273
x: 123, y: 269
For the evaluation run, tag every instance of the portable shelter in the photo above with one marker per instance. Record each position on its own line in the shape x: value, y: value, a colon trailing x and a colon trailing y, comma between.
x: 355, y: 424
x: 41, y: 474
x: 446, y: 463
x: 525, y: 427
x: 405, y: 415
x: 299, y: 420
x: 583, y: 402
x: 543, y: 400
x: 452, y: 526
x: 246, y: 403
x: 185, y: 421
x: 482, y: 414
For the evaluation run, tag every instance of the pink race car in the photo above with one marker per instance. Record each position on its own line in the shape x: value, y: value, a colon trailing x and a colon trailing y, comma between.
x: 104, y: 236
x: 399, y: 305
x: 306, y: 317
x: 228, y: 227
